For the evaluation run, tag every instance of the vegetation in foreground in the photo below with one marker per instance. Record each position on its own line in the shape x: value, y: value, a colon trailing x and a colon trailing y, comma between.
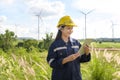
x: 33, y: 66
x: 26, y: 60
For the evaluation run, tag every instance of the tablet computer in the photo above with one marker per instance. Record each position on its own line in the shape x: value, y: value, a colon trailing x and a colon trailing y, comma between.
x: 86, y: 42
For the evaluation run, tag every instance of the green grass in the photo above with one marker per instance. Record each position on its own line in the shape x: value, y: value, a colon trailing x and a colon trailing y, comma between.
x: 106, y: 45
x: 24, y: 66
x: 33, y: 66
x: 102, y: 66
x: 20, y: 65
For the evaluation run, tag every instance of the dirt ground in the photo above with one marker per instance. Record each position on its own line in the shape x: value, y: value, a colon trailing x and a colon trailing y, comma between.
x: 109, y: 49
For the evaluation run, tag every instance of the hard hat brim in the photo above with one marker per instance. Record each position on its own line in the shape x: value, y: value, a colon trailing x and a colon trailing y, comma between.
x: 70, y: 25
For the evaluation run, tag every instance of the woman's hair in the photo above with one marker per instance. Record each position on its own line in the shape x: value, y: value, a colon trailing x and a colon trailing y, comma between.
x: 59, y: 33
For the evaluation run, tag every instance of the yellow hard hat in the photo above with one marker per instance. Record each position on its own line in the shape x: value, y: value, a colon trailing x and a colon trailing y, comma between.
x: 67, y: 21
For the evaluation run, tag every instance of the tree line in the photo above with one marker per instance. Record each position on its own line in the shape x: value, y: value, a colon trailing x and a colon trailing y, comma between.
x: 9, y: 40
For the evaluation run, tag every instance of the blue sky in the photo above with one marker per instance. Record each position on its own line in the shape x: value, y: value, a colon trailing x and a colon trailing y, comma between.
x: 19, y: 16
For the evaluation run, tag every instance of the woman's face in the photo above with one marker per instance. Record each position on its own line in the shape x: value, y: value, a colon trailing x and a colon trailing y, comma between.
x: 66, y: 31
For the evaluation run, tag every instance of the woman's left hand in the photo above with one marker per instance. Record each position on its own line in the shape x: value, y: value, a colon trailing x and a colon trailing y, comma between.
x: 87, y: 50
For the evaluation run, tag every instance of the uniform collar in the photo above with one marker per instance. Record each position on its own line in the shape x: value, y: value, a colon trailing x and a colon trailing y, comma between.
x: 70, y: 40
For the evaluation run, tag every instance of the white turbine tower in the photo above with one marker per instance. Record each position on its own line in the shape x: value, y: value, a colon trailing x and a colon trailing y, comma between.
x: 112, y: 26
x: 85, y: 20
x: 39, y: 18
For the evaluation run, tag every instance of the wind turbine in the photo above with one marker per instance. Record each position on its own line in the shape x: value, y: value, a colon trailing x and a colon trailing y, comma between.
x: 85, y: 19
x: 39, y: 18
x: 112, y: 26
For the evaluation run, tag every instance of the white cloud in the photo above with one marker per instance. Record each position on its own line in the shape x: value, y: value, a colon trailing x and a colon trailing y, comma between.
x: 107, y: 6
x: 46, y: 8
x: 19, y: 30
x: 4, y: 27
x: 3, y: 18
x: 6, y: 2
x: 50, y: 10
x: 98, y: 22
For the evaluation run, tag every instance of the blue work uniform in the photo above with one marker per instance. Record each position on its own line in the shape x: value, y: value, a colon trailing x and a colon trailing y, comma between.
x: 57, y: 52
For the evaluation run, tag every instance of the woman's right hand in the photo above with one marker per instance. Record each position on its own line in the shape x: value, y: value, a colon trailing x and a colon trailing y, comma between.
x: 71, y: 57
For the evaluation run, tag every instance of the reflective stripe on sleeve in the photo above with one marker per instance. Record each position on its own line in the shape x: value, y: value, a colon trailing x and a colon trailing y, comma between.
x: 51, y: 60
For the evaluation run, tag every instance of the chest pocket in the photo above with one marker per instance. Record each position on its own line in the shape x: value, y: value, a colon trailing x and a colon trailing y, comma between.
x: 61, y: 52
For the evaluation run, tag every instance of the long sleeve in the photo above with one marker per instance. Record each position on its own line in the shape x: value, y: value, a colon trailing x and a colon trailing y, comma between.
x: 52, y: 59
x: 85, y: 58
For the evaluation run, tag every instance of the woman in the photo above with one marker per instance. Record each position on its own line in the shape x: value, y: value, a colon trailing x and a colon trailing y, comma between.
x: 63, y: 54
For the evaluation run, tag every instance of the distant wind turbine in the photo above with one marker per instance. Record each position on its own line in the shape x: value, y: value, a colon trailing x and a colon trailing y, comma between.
x: 112, y: 26
x: 85, y: 19
x: 39, y: 18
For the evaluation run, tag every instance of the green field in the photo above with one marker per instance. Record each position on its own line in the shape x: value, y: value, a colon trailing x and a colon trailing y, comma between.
x: 21, y: 65
x: 106, y: 45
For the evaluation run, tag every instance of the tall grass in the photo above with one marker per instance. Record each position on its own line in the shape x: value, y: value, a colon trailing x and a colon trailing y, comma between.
x: 104, y: 65
x: 24, y: 67
x: 20, y: 65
